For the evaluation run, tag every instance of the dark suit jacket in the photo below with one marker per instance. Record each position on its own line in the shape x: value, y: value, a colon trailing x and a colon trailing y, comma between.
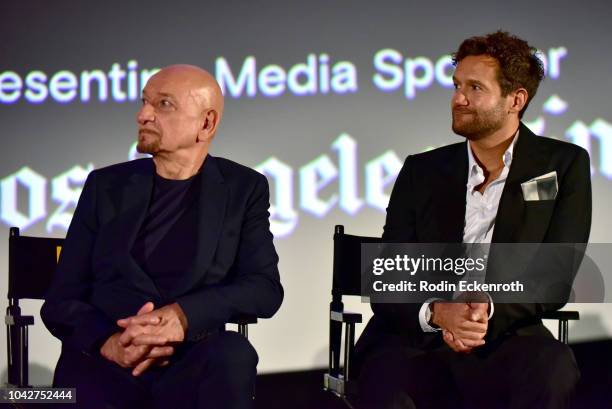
x: 428, y: 203
x: 98, y: 281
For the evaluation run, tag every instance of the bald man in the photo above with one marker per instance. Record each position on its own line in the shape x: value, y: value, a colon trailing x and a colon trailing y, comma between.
x: 160, y: 254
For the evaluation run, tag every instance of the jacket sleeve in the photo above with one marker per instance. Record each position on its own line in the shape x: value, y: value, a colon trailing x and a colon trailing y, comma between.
x: 400, y: 226
x: 66, y: 311
x: 253, y: 286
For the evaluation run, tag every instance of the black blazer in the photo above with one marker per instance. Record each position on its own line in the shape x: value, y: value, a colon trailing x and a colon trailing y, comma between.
x: 98, y: 281
x: 428, y: 203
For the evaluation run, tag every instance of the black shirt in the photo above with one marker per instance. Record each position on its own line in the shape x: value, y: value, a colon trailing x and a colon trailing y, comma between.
x: 165, y: 246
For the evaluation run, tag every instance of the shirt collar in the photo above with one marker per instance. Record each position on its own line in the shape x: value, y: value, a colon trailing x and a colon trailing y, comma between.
x: 475, y: 172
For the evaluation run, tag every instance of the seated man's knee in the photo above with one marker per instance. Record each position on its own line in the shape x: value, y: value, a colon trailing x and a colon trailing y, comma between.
x: 563, y: 373
x: 554, y: 369
x: 219, y: 367
x: 231, y: 351
x: 383, y: 382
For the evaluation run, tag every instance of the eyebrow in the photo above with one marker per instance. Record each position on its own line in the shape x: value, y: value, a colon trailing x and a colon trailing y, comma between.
x: 471, y: 81
x: 163, y: 94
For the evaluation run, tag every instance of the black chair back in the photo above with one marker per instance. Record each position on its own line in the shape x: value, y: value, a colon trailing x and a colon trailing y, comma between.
x: 32, y: 263
x: 347, y: 262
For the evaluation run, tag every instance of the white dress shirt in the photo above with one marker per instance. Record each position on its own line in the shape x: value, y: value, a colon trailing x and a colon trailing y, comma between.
x: 480, y: 213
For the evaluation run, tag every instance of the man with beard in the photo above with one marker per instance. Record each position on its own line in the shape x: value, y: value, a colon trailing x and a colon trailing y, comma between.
x: 479, y: 354
x: 160, y: 254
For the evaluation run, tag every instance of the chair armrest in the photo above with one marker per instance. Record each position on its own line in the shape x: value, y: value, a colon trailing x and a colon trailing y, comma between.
x: 561, y: 315
x: 345, y: 316
x: 19, y: 320
x: 243, y: 320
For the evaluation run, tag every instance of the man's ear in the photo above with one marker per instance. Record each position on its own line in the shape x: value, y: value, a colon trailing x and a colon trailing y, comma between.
x: 519, y: 100
x: 209, y: 126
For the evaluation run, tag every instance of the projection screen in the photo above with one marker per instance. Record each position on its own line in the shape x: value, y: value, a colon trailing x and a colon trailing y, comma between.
x: 324, y: 98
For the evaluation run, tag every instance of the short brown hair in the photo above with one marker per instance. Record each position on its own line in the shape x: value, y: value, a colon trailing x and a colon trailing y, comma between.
x: 519, y: 66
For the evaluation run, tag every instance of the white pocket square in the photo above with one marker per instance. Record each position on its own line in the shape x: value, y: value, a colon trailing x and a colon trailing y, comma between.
x: 542, y: 187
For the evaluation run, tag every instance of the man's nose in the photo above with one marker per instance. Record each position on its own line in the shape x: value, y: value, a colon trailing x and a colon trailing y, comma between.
x: 145, y: 114
x: 458, y: 99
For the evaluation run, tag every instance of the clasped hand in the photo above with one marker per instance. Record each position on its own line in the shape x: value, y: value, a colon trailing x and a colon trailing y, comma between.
x: 147, y: 339
x: 464, y: 324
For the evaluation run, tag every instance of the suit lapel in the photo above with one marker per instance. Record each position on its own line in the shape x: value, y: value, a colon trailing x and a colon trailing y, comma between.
x: 528, y: 160
x: 131, y: 201
x: 451, y: 193
x: 212, y: 203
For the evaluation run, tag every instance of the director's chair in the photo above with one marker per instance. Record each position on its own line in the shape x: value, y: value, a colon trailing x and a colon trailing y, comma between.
x: 32, y: 263
x: 346, y: 281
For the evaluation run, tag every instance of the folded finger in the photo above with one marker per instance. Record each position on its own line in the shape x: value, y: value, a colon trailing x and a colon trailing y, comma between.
x: 471, y: 343
x: 134, y: 331
x: 129, y: 334
x: 146, y: 308
x: 158, y: 352
x: 145, y: 319
x: 462, y: 346
x: 453, y: 343
x: 149, y: 339
x: 448, y: 338
x: 143, y: 366
x: 459, y: 346
x: 474, y: 336
x: 124, y: 322
x: 125, y: 339
x: 473, y: 326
